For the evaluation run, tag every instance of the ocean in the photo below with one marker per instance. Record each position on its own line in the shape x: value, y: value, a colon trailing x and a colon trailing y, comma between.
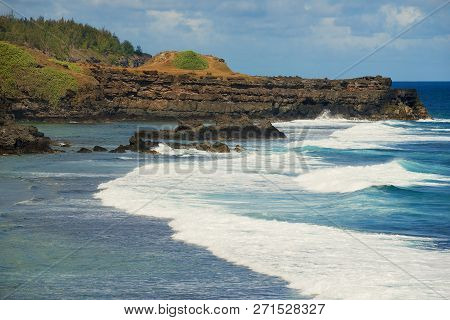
x: 339, y: 210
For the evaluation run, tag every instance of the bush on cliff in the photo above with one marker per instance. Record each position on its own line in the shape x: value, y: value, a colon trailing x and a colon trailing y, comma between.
x: 21, y: 74
x: 190, y: 60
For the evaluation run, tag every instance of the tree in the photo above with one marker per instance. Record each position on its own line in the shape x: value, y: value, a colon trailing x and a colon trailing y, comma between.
x: 138, y: 50
x: 127, y: 47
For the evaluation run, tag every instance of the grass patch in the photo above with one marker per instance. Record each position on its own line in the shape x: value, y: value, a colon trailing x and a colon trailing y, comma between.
x: 190, y: 60
x: 69, y: 65
x: 20, y: 75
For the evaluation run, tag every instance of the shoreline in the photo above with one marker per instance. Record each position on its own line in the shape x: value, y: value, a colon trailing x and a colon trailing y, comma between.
x: 150, y: 239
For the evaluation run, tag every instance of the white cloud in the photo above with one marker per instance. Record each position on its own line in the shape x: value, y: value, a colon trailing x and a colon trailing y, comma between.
x: 328, y: 34
x: 171, y: 19
x: 400, y: 16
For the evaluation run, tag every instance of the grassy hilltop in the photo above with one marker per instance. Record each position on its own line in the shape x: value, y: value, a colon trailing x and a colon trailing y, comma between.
x: 46, y: 59
x: 66, y: 39
x: 190, y: 62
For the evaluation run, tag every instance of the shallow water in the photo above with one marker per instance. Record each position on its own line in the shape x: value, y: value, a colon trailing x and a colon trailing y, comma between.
x: 340, y: 209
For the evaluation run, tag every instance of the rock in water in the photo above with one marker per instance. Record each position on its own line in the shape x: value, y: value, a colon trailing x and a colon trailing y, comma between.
x: 226, y: 128
x: 120, y: 149
x: 220, y: 147
x: 84, y: 150
x: 217, y: 147
x: 137, y: 144
x: 20, y: 139
x: 99, y: 149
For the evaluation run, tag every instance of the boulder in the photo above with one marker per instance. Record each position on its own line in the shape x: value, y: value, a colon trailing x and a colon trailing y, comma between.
x: 226, y: 128
x: 138, y: 144
x: 84, y: 150
x: 120, y: 149
x: 99, y: 149
x: 217, y: 147
x: 220, y: 147
x: 21, y: 139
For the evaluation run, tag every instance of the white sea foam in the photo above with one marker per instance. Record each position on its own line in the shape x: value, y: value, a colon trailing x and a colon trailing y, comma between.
x: 354, y: 178
x: 163, y: 148
x: 371, y: 135
x: 433, y: 120
x: 320, y: 261
x: 440, y: 129
x: 317, y: 122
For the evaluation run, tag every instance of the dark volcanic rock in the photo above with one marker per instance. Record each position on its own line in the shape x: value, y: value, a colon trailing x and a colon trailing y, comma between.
x: 120, y: 93
x: 120, y: 149
x: 224, y: 129
x: 220, y: 147
x: 84, y: 150
x: 217, y: 147
x: 20, y: 139
x: 139, y: 145
x: 99, y: 149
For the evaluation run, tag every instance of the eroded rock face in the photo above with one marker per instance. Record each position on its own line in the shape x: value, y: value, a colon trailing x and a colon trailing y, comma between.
x: 149, y: 95
x: 21, y: 139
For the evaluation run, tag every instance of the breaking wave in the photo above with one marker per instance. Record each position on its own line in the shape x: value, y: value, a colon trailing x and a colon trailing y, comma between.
x: 371, y: 135
x: 318, y: 261
x: 354, y: 178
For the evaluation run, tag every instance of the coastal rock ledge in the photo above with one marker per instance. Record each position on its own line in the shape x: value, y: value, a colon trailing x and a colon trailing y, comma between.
x: 21, y: 139
x: 121, y: 94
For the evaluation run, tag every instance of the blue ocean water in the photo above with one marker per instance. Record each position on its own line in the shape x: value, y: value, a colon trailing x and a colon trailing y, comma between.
x: 340, y: 209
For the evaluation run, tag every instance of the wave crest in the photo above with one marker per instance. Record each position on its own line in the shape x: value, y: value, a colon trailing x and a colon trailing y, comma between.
x: 355, y: 178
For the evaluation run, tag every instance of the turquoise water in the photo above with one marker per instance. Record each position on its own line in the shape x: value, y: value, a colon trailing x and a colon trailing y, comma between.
x: 340, y: 209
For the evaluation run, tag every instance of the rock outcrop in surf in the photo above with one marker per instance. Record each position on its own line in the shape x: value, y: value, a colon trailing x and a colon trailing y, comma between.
x: 21, y: 139
x: 207, y: 137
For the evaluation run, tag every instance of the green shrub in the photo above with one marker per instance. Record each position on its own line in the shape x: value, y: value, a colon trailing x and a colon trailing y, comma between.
x: 20, y: 74
x: 190, y: 60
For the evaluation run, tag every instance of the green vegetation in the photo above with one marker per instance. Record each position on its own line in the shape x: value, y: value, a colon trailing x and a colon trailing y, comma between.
x: 20, y: 73
x: 63, y: 39
x: 190, y: 60
x: 69, y: 65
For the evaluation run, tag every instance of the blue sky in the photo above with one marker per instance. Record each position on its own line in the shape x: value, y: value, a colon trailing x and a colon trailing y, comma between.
x: 311, y: 38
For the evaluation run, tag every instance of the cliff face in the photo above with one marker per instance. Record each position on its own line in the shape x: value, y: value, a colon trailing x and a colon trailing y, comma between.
x: 123, y: 94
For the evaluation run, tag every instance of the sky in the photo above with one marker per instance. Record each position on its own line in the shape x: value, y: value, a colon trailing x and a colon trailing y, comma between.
x: 310, y: 38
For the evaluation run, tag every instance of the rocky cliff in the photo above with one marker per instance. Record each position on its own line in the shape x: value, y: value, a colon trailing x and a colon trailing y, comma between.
x: 120, y: 93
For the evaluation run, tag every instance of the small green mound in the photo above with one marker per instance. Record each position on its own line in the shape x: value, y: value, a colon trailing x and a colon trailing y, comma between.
x: 190, y: 60
x: 20, y: 74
